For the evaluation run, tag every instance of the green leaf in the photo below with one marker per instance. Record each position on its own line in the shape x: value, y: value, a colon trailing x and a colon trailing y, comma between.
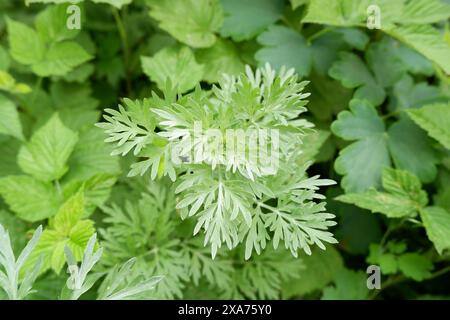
x: 415, y: 266
x: 285, y: 47
x: 414, y: 62
x: 388, y: 264
x: 404, y: 22
x: 328, y: 97
x: 362, y: 162
x: 9, y: 148
x: 176, y: 64
x: 436, y: 221
x: 336, y: 12
x: 391, y: 206
x: 51, y: 24
x: 28, y: 2
x: 427, y: 40
x: 8, y: 83
x: 386, y: 260
x: 357, y: 228
x: 352, y: 72
x: 435, y: 119
x: 297, y: 3
x: 69, y: 213
x: 192, y: 22
x: 73, y: 96
x: 45, y: 156
x: 116, y: 3
x: 383, y: 59
x: 60, y: 59
x: 321, y: 268
x: 349, y: 285
x: 244, y: 19
x: 403, y: 196
x: 66, y: 229
x: 424, y: 12
x: 404, y: 184
x: 354, y: 37
x: 222, y: 57
x: 5, y: 60
x: 312, y: 144
x: 407, y: 94
x: 406, y: 139
x: 25, y: 45
x: 9, y: 120
x: 91, y: 156
x: 30, y: 199
x: 96, y: 190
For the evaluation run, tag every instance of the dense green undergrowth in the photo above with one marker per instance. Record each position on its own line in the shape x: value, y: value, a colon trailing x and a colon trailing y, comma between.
x: 94, y: 204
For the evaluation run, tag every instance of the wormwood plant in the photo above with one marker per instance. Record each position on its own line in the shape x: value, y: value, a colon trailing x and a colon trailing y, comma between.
x: 219, y: 117
x: 232, y: 198
x: 118, y: 285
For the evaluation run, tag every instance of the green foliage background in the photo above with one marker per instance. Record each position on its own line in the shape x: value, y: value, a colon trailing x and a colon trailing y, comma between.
x: 379, y: 102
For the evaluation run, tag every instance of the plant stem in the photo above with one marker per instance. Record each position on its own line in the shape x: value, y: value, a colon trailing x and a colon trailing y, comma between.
x: 317, y: 34
x: 126, y: 49
x: 36, y: 87
x: 391, y: 114
x: 439, y: 273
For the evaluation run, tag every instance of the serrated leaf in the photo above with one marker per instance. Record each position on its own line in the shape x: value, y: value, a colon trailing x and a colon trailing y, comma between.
x: 435, y: 119
x: 321, y: 268
x: 375, y: 201
x: 285, y: 47
x: 69, y: 214
x: 51, y: 24
x: 407, y: 94
x: 426, y: 40
x: 424, y: 12
x: 116, y: 3
x: 9, y: 148
x: 175, y: 63
x: 436, y: 221
x: 9, y: 120
x: 96, y: 190
x: 337, y: 12
x: 406, y: 139
x: 25, y: 45
x: 404, y: 22
x: 415, y: 266
x: 385, y: 63
x: 362, y: 162
x: 403, y: 196
x: 222, y: 57
x: 245, y: 19
x: 60, y: 59
x: 29, y: 198
x: 91, y: 156
x: 349, y: 285
x: 388, y: 263
x: 67, y: 230
x: 352, y: 72
x: 45, y: 155
x: 192, y: 22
